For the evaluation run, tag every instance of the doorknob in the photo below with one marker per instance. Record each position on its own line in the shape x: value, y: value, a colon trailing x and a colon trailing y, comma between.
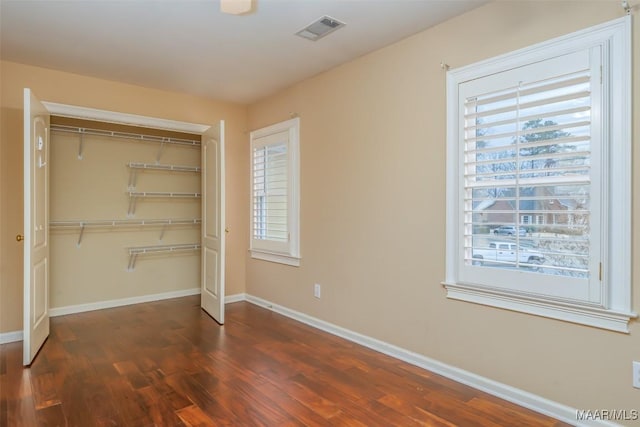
x: 19, y: 237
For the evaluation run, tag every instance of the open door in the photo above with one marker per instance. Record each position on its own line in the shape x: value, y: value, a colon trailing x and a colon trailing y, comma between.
x: 36, y: 226
x: 213, y: 223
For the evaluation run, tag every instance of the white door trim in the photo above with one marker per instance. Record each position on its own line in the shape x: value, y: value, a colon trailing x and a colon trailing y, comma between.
x: 75, y: 111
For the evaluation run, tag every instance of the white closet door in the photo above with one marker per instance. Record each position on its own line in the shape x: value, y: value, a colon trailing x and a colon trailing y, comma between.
x: 36, y: 226
x: 213, y: 223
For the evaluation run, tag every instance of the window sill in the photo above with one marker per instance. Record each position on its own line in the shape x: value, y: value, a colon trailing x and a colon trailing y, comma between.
x: 590, y: 316
x: 275, y: 257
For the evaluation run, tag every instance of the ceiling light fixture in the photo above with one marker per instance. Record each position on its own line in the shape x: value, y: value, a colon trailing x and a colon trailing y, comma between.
x: 237, y: 7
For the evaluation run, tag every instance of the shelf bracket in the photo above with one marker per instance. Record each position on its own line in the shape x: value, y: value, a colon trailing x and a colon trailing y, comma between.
x: 132, y: 261
x: 160, y: 152
x: 80, y: 235
x: 132, y: 205
x: 80, y: 144
x: 133, y: 177
x: 164, y: 228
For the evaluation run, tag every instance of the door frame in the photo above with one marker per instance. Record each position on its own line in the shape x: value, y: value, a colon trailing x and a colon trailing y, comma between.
x: 86, y: 113
x: 78, y: 112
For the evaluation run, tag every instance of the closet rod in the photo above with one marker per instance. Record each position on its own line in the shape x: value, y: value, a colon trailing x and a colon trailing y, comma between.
x: 141, y: 250
x: 137, y: 250
x: 121, y: 222
x: 136, y: 136
x: 167, y: 167
x: 135, y: 195
x: 162, y: 194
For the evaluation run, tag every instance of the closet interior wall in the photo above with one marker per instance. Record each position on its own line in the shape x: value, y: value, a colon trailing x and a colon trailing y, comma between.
x: 91, y: 181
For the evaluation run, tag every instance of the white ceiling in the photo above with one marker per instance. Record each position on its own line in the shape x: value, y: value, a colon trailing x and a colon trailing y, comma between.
x: 190, y: 46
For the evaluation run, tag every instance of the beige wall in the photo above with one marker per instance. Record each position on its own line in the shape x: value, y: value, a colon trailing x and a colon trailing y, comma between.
x: 373, y: 212
x: 84, y: 91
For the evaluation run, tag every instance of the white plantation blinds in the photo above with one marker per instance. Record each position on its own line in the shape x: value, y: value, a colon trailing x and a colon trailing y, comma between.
x: 539, y: 179
x: 528, y: 155
x: 270, y: 192
x: 275, y: 194
x: 529, y: 150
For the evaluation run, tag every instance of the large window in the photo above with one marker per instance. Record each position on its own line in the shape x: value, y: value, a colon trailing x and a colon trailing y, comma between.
x: 539, y: 179
x: 275, y: 193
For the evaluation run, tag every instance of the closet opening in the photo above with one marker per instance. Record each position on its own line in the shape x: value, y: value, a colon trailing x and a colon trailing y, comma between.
x: 119, y: 213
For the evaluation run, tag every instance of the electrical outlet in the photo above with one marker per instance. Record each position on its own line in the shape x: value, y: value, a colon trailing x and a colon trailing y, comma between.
x: 636, y: 374
x: 316, y: 290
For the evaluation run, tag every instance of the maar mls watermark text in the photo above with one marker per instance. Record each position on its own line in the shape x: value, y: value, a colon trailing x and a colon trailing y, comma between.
x: 607, y: 414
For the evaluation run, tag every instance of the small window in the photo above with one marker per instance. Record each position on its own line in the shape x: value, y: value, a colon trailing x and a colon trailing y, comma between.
x: 544, y: 133
x: 275, y: 196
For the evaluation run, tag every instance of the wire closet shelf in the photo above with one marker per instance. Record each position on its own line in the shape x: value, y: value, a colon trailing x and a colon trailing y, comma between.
x: 115, y: 223
x: 126, y: 135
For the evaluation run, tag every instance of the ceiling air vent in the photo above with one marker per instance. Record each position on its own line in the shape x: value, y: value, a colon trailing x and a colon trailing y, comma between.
x: 320, y: 28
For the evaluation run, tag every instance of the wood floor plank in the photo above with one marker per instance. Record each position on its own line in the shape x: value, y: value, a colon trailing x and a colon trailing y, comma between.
x: 74, y: 405
x: 193, y: 416
x: 392, y: 415
x: 4, y: 402
x: 159, y: 409
x: 258, y: 408
x: 52, y: 416
x: 21, y: 413
x: 414, y: 411
x: 98, y: 397
x: 201, y: 398
x: 64, y: 333
x: 167, y: 363
x: 312, y: 400
x: 173, y: 399
x: 503, y: 413
x: 292, y: 406
x: 128, y: 403
x: 45, y: 393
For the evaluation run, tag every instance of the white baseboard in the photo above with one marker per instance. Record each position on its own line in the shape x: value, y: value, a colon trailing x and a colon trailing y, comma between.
x: 81, y: 308
x: 7, y: 337
x: 230, y: 299
x: 534, y: 402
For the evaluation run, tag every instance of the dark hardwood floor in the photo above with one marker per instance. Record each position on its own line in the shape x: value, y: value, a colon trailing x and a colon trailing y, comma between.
x: 167, y: 363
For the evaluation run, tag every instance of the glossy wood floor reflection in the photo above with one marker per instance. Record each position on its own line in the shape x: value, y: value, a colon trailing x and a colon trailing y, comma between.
x: 168, y: 364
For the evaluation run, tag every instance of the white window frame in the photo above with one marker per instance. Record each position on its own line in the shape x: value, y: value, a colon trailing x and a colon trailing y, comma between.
x: 284, y: 253
x: 614, y: 311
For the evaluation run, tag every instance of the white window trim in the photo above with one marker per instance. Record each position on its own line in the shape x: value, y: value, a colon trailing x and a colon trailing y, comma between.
x: 616, y: 312
x: 274, y: 257
x: 292, y: 255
